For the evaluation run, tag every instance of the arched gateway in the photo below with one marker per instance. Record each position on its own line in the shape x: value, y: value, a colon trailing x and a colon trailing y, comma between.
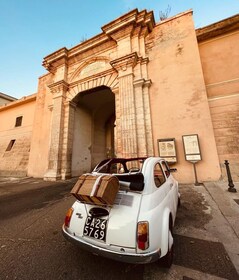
x: 122, y: 93
x: 100, y: 98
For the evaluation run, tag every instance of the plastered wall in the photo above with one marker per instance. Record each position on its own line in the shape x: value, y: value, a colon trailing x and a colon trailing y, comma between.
x: 178, y: 95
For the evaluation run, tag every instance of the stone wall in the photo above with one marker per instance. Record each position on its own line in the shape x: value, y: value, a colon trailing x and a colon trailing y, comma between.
x: 225, y: 116
x: 220, y: 61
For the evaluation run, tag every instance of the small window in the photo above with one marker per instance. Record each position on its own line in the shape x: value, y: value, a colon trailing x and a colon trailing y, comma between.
x: 159, y: 177
x: 10, y: 145
x: 18, y: 121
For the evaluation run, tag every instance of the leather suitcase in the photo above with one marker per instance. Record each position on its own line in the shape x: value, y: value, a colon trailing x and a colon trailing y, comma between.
x: 99, y: 190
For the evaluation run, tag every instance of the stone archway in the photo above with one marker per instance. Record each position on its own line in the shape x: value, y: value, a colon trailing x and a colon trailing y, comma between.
x: 63, y: 118
x: 133, y: 134
x: 115, y: 59
x: 93, y: 129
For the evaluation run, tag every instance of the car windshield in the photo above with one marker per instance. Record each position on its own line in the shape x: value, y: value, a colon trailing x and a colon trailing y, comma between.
x: 128, y: 171
x: 120, y: 165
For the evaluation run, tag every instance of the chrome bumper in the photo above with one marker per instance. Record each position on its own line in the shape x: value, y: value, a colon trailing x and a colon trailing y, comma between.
x: 118, y: 256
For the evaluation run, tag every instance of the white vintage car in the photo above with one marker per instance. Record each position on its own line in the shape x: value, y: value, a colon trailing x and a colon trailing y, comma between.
x: 138, y: 227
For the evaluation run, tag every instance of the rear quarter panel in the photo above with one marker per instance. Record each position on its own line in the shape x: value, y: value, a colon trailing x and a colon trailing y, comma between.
x: 157, y: 214
x: 156, y: 206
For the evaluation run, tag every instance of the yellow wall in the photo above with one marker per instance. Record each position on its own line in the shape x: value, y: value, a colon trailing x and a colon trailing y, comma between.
x: 38, y: 161
x: 220, y: 60
x: 178, y: 96
x: 15, y: 161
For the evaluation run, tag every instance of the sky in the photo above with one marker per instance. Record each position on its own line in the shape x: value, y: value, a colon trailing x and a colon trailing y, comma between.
x: 33, y: 29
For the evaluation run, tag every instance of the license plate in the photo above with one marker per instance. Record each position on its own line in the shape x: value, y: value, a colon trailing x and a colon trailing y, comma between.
x: 95, y: 227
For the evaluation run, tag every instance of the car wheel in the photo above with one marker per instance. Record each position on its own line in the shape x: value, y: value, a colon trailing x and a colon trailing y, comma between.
x: 179, y: 202
x: 167, y: 260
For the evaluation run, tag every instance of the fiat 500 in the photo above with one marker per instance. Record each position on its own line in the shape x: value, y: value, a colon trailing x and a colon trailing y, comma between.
x: 138, y: 227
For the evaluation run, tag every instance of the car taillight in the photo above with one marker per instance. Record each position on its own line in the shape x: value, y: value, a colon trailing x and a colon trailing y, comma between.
x: 68, y: 217
x: 143, y: 235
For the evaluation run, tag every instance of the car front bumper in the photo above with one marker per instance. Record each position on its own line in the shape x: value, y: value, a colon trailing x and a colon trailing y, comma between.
x: 118, y: 256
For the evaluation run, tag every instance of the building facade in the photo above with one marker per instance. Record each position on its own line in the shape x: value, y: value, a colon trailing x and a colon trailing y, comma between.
x: 5, y: 99
x: 137, y: 89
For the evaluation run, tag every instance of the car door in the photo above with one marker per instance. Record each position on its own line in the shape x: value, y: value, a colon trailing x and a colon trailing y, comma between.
x: 171, y: 188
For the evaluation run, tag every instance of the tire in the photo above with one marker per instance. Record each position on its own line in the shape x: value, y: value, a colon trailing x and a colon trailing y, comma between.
x: 167, y: 260
x: 179, y: 202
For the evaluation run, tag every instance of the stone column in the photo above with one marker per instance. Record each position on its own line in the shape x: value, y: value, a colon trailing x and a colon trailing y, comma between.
x: 143, y: 118
x: 58, y: 90
x: 67, y: 145
x: 140, y: 118
x: 148, y: 120
x: 125, y: 111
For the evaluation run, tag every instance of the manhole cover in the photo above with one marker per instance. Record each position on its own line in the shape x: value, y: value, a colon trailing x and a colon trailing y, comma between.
x: 205, y: 256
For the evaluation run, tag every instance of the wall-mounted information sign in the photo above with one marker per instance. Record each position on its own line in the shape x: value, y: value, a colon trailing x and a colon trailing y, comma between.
x: 191, y: 147
x: 167, y: 149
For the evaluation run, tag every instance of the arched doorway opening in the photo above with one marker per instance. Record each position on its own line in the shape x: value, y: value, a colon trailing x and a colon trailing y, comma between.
x: 93, y: 132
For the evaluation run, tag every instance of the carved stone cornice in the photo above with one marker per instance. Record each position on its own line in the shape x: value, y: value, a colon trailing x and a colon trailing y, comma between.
x: 122, y: 63
x: 120, y: 23
x: 144, y: 60
x: 126, y: 24
x: 122, y: 33
x: 52, y: 61
x: 142, y: 83
x: 147, y: 83
x: 139, y: 83
x: 58, y: 88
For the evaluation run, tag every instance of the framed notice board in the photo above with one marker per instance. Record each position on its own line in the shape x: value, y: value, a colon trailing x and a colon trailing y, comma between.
x: 167, y: 149
x: 191, y: 147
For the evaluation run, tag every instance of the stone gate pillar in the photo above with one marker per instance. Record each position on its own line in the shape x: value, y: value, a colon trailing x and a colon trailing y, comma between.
x: 58, y: 90
x: 125, y: 113
x: 143, y: 118
x: 133, y: 118
x: 140, y: 121
x: 67, y: 145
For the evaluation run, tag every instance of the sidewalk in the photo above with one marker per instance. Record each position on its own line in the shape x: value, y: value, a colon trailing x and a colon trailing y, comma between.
x: 228, y: 205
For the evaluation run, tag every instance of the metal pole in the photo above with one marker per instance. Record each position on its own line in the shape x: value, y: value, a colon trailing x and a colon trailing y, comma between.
x: 230, y: 182
x: 195, y: 174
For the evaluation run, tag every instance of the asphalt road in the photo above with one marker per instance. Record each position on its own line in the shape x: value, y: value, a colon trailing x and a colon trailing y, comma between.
x: 32, y: 245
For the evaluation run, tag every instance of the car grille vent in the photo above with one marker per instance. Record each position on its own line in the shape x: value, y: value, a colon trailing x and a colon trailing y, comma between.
x: 124, y: 199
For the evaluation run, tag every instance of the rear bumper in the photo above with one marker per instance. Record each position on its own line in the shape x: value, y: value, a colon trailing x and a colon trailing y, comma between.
x: 118, y: 256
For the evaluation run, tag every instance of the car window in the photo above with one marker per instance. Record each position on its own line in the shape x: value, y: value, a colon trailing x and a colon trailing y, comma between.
x: 165, y: 169
x: 134, y: 165
x: 117, y: 168
x: 159, y: 177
